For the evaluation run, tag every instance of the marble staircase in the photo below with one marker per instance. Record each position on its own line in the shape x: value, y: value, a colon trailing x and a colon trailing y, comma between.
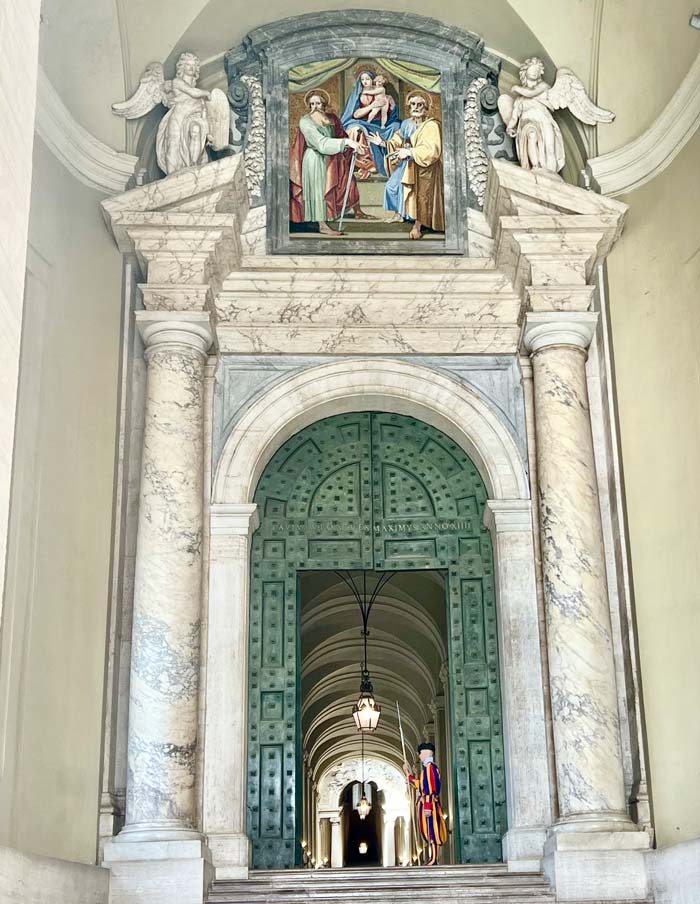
x: 491, y: 884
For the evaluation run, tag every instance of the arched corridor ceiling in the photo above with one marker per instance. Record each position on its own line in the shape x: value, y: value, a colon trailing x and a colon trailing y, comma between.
x: 406, y: 650
x: 95, y: 50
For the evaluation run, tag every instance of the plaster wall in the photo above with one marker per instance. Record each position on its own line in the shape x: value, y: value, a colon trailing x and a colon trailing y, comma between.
x: 653, y: 278
x: 53, y: 654
x: 19, y: 39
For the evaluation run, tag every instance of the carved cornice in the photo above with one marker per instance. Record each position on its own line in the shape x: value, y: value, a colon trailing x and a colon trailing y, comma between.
x: 549, y: 236
x: 91, y: 161
x: 647, y: 156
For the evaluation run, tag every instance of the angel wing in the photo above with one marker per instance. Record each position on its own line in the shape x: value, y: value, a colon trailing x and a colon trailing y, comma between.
x: 505, y: 107
x: 150, y: 93
x: 568, y: 91
x: 218, y: 120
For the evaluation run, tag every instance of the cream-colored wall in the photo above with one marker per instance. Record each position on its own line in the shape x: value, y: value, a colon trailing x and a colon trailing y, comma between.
x: 635, y: 53
x: 54, y: 627
x: 19, y: 20
x: 654, y: 276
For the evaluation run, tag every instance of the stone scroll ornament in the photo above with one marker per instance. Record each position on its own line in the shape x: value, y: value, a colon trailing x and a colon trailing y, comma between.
x: 527, y: 113
x: 196, y: 119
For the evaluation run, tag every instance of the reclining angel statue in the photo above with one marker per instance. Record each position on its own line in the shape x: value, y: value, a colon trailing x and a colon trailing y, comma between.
x: 195, y: 119
x: 528, y: 118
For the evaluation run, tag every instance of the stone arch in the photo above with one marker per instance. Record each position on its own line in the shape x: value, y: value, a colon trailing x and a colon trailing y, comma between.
x: 396, y: 387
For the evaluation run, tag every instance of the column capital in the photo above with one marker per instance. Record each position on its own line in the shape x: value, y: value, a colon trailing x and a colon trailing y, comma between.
x: 191, y: 329
x: 505, y: 515
x: 546, y: 329
x: 238, y: 519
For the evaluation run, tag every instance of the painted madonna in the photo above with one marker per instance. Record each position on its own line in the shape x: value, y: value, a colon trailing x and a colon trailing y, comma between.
x: 365, y: 151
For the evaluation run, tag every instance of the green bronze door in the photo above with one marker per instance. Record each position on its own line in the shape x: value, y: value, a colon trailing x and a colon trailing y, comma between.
x: 385, y: 492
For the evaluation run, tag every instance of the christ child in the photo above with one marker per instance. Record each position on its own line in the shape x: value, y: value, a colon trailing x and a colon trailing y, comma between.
x: 375, y: 100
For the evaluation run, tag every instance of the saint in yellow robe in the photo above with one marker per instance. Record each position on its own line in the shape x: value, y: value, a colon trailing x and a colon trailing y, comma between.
x: 422, y: 180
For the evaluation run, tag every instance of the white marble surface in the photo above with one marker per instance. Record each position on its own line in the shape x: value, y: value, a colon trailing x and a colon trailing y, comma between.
x: 226, y: 711
x: 374, y: 304
x: 598, y: 866
x: 357, y: 385
x: 165, y: 634
x: 30, y: 879
x: 528, y: 792
x: 174, y: 872
x: 581, y: 664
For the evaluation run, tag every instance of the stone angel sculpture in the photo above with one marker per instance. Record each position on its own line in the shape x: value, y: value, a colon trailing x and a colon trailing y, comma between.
x: 195, y: 118
x: 526, y: 112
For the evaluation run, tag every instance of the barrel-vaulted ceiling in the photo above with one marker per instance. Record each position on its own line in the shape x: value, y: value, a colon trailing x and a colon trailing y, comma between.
x: 407, y: 648
x: 632, y: 56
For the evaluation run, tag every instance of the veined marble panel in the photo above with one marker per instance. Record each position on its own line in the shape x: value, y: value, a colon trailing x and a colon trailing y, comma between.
x: 243, y: 378
x: 375, y: 305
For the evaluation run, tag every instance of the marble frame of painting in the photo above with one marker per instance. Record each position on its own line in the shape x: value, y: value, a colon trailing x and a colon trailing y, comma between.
x: 276, y: 48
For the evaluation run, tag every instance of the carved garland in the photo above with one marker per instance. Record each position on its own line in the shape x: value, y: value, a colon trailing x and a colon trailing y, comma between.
x: 255, y: 137
x: 477, y: 158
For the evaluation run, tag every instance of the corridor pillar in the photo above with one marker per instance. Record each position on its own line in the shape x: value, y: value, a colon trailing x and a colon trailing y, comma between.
x: 336, y: 842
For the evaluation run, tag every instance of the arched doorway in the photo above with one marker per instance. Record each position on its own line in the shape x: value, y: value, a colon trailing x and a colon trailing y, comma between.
x: 362, y: 838
x: 372, y: 490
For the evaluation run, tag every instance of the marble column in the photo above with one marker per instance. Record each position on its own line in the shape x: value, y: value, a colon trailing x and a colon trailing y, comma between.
x: 593, y: 826
x: 160, y: 843
x: 549, y: 239
x: 224, y: 810
x: 165, y: 636
x: 336, y: 842
x: 582, y: 670
x: 389, y: 841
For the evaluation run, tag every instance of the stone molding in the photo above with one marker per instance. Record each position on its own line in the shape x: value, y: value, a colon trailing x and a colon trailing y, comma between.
x: 636, y: 163
x: 92, y: 162
x: 163, y: 329
x: 241, y: 520
x: 504, y: 515
x: 185, y: 232
x: 549, y: 236
x: 357, y: 385
x: 547, y: 328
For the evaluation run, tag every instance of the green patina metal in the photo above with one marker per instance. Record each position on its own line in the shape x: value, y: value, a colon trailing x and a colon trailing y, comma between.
x: 386, y: 492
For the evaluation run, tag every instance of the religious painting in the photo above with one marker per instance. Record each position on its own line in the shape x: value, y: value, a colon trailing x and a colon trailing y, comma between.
x: 365, y: 151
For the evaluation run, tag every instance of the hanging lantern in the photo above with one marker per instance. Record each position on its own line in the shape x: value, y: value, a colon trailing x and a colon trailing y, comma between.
x: 366, y: 711
x: 363, y: 808
x: 363, y: 847
x: 364, y: 805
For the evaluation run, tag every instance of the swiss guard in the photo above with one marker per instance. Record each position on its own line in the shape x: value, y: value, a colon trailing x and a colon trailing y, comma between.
x: 430, y: 817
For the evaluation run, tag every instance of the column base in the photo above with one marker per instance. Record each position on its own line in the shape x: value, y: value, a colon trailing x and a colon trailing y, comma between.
x: 230, y: 854
x: 523, y: 849
x: 158, y: 872
x: 597, y: 866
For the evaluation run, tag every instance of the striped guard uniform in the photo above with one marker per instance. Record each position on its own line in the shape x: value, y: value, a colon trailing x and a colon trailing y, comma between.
x: 430, y: 816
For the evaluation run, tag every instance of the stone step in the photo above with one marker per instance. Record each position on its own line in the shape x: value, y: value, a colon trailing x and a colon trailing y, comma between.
x: 477, y: 884
x: 365, y: 263
x: 360, y: 894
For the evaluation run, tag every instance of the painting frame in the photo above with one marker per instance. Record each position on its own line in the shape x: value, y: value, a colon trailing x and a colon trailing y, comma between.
x: 273, y: 50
